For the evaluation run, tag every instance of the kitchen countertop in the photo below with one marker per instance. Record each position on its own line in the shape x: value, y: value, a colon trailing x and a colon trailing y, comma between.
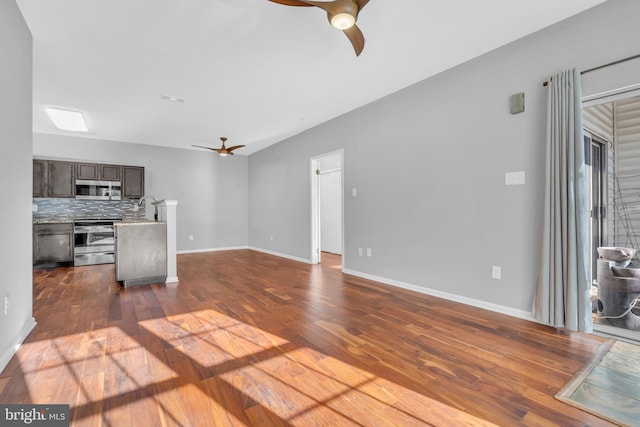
x: 67, y: 220
x: 138, y: 222
x: 53, y: 221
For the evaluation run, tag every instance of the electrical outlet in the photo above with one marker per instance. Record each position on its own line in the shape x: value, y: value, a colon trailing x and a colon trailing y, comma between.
x: 496, y: 272
x: 360, y: 251
x: 6, y: 305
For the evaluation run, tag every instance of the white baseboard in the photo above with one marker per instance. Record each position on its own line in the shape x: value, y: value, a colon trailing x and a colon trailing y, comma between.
x: 15, y: 345
x: 195, y: 251
x: 253, y: 248
x: 291, y: 257
x: 521, y: 314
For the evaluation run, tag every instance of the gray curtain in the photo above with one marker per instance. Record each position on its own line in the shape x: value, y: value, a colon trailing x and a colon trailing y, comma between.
x: 562, y: 296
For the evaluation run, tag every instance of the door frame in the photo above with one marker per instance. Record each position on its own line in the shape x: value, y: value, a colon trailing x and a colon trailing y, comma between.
x: 597, y: 214
x: 314, y: 164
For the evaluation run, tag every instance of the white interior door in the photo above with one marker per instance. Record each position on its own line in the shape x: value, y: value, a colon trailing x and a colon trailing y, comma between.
x: 330, y: 193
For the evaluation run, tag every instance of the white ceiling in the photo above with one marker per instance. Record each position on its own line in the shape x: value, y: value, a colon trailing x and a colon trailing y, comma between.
x: 254, y: 71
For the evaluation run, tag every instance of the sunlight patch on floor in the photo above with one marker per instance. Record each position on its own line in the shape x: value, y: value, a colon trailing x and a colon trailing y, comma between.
x: 82, y: 368
x: 206, y: 368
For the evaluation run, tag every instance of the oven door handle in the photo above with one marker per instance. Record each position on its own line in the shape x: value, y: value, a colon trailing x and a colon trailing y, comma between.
x: 93, y: 229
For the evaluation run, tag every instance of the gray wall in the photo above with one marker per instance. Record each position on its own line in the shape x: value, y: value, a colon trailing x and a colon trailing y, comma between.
x: 211, y: 191
x: 429, y: 164
x: 15, y: 176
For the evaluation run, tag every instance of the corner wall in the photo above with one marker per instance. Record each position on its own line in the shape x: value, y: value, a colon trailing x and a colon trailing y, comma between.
x: 429, y: 166
x: 15, y: 176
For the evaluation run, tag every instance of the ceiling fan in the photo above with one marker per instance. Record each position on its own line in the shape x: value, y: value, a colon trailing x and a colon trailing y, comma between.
x: 342, y: 15
x: 223, y: 151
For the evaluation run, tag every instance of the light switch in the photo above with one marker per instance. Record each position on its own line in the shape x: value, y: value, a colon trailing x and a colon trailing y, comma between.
x: 514, y: 178
x: 354, y: 192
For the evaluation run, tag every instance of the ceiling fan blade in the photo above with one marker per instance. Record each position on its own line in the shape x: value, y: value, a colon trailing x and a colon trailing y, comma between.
x: 207, y: 148
x: 356, y: 37
x: 331, y: 7
x: 361, y: 4
x: 291, y: 3
x: 234, y: 147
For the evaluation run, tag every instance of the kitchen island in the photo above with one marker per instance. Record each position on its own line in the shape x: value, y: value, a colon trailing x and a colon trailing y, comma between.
x: 141, y: 252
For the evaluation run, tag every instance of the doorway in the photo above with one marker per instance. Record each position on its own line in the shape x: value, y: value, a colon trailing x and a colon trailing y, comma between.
x: 327, y: 232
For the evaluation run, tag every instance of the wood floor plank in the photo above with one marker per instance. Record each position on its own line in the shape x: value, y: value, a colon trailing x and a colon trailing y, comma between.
x: 250, y: 339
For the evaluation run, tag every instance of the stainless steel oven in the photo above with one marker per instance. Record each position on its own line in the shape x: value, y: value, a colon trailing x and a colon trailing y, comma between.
x: 94, y: 241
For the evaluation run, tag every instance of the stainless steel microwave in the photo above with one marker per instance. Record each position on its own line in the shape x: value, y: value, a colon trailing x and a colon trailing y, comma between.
x: 98, y: 190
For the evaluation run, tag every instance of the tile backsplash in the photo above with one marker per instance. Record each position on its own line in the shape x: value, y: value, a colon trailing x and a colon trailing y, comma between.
x: 55, y: 208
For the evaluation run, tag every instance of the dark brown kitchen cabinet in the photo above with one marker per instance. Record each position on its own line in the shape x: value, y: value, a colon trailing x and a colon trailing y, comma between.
x: 52, y: 178
x: 98, y: 172
x: 87, y: 171
x: 52, y: 242
x: 132, y: 182
x: 110, y: 172
x: 61, y: 178
x: 40, y: 168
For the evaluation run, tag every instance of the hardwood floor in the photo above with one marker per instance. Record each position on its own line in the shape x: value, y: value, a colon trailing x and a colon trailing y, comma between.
x: 247, y: 338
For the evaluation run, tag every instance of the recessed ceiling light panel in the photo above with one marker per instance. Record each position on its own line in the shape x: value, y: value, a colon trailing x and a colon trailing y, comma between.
x: 171, y: 98
x: 67, y: 119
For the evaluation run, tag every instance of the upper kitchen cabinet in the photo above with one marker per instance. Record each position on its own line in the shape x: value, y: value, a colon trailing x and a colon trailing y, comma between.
x: 87, y: 171
x: 98, y: 172
x: 110, y: 172
x: 132, y: 182
x: 61, y: 178
x: 54, y: 178
x: 40, y: 169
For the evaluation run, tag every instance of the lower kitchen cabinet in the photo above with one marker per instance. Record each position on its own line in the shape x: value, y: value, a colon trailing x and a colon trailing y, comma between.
x: 52, y: 243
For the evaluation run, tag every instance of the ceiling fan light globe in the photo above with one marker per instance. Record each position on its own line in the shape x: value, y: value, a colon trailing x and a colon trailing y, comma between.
x: 343, y: 21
